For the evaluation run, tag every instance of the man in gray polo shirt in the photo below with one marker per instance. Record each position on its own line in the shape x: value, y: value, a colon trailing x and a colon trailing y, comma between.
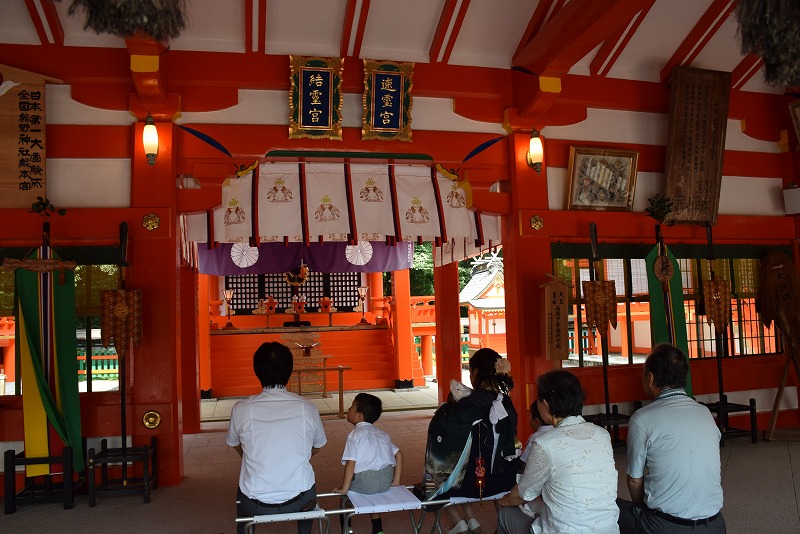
x: 674, y: 475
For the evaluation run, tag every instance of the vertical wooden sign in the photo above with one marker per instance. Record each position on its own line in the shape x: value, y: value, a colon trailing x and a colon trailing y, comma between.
x: 556, y: 308
x: 696, y: 144
x: 23, y: 140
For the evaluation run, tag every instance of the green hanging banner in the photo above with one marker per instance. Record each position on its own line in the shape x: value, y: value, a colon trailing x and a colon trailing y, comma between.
x: 667, y: 316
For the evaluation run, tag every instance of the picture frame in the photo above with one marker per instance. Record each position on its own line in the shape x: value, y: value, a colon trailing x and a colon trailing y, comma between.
x: 315, y: 97
x: 601, y: 179
x: 794, y: 111
x: 387, y: 100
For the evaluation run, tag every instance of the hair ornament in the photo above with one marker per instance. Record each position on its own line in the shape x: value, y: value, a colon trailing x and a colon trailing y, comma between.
x: 502, y: 367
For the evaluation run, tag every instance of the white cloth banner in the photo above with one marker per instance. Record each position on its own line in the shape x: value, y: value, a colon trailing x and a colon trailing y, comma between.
x: 279, y: 202
x: 236, y: 215
x: 416, y: 202
x: 196, y: 227
x: 459, y: 220
x: 326, y: 201
x: 372, y: 199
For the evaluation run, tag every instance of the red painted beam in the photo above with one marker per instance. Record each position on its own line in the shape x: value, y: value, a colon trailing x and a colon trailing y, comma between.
x: 49, y: 28
x: 544, y: 9
x: 454, y: 31
x: 612, y: 47
x: 745, y: 70
x: 574, y: 32
x: 714, y: 17
x: 354, y: 22
x: 145, y: 68
x: 445, y: 17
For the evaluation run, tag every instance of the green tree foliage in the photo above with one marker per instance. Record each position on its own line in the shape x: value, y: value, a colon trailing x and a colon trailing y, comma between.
x: 421, y: 274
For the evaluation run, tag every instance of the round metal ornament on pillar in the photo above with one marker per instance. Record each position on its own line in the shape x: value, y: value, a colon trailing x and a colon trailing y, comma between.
x: 151, y: 419
x: 151, y: 221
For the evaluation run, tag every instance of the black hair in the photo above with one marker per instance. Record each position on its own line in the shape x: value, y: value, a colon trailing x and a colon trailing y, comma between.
x: 273, y: 364
x: 369, y: 406
x: 488, y: 378
x: 669, y: 366
x: 535, y: 411
x: 563, y: 392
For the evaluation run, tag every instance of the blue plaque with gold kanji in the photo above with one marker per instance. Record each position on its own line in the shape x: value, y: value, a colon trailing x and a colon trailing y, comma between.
x: 387, y: 100
x: 315, y: 100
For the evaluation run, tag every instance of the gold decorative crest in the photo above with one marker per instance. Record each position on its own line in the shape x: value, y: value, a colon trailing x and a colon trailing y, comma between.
x: 151, y: 221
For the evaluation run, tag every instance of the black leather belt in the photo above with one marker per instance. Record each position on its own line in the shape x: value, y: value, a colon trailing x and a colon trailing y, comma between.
x: 685, y: 522
x: 276, y: 505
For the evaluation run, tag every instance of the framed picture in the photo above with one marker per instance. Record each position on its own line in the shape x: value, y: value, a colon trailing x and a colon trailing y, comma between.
x: 601, y: 179
x: 794, y: 111
x: 387, y: 100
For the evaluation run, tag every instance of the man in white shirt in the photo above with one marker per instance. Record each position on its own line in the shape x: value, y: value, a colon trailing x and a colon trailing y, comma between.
x: 276, y: 433
x: 677, y: 441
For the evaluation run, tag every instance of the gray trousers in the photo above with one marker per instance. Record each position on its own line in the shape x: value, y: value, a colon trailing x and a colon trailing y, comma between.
x: 248, y: 507
x: 638, y: 519
x: 512, y: 520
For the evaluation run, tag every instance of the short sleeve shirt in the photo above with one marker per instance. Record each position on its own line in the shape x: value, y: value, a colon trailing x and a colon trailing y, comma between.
x: 539, y: 431
x: 369, y: 447
x: 677, y: 440
x: 572, y: 468
x: 277, y: 430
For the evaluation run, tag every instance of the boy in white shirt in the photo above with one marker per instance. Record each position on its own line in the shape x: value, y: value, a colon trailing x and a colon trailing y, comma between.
x: 534, y: 507
x: 539, y: 428
x: 372, y: 463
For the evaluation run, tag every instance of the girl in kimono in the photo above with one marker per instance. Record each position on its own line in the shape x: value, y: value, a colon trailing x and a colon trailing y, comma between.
x: 471, y: 448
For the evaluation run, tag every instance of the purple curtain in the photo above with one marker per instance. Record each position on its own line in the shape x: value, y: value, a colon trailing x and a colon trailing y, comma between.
x: 329, y: 257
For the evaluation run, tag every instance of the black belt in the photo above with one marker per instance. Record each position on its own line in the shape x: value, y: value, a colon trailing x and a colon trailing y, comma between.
x: 685, y: 522
x: 276, y: 505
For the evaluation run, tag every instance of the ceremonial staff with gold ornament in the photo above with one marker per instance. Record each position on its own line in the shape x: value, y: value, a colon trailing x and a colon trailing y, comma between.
x: 121, y: 322
x: 600, y: 298
x: 665, y: 286
x: 717, y: 300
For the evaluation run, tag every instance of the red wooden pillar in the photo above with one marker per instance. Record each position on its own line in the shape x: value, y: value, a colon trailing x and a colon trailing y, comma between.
x: 155, y: 370
x: 204, y: 331
x: 426, y: 349
x: 448, y: 327
x: 401, y: 321
x: 526, y: 257
x: 375, y: 283
x: 189, y: 342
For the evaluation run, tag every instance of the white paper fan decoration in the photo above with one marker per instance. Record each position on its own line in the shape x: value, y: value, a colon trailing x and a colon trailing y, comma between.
x: 244, y: 255
x: 359, y: 254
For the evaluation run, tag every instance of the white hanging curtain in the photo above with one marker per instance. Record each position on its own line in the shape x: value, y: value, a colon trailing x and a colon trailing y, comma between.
x: 327, y: 202
x: 311, y: 202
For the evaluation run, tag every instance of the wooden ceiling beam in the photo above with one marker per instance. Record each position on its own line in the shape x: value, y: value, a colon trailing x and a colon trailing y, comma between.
x: 612, y: 47
x: 573, y: 32
x: 708, y: 25
x: 47, y: 23
x: 353, y: 27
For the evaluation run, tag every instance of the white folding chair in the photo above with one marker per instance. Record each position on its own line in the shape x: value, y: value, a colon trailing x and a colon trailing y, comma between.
x: 452, y: 501
x: 317, y: 513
